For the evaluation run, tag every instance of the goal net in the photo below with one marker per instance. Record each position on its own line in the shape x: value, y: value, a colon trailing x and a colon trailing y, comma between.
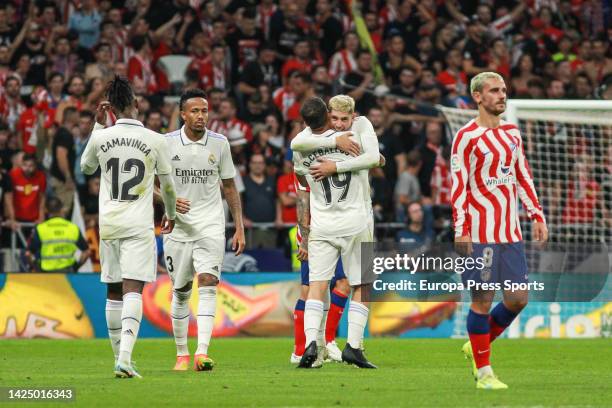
x: 568, y: 145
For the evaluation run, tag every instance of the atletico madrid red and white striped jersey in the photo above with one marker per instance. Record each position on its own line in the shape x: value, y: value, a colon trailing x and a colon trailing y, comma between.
x: 490, y: 172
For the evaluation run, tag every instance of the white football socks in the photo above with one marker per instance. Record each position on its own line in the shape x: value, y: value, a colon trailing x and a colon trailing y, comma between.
x: 131, y: 315
x: 179, y: 311
x: 357, y: 320
x: 485, y: 371
x: 207, y: 304
x: 321, y: 334
x: 313, y: 315
x: 113, y: 322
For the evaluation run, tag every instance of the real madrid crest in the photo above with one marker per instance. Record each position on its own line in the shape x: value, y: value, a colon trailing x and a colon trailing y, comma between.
x: 212, y: 159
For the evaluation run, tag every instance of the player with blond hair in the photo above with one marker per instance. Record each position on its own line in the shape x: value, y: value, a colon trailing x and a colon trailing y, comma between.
x: 490, y: 173
x: 339, y: 203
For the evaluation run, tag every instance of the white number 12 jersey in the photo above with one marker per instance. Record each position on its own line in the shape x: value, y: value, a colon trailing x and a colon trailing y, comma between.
x: 129, y: 156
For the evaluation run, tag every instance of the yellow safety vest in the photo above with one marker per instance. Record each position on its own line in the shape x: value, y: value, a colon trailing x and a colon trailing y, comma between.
x: 295, y: 262
x: 58, y: 238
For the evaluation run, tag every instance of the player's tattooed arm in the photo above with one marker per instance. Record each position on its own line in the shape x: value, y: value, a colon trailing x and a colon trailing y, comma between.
x: 303, y: 216
x: 232, y: 197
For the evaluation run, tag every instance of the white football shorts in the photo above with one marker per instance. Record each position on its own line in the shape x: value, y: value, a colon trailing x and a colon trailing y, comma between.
x: 129, y: 258
x: 186, y: 259
x: 323, y: 254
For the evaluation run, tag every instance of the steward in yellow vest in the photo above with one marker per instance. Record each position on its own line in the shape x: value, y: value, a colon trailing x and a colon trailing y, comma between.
x: 55, y: 241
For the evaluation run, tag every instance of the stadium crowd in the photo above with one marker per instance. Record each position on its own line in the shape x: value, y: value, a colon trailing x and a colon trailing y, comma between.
x: 257, y: 61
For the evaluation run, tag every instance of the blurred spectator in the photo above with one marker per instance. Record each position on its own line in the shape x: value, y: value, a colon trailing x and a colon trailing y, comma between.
x: 229, y: 125
x: 564, y: 52
x: 343, y: 61
x: 359, y: 83
x: 86, y: 22
x: 262, y: 145
x: 601, y: 64
x: 48, y: 19
x: 406, y: 23
x: 214, y: 73
x: 61, y: 58
x: 441, y: 181
x: 30, y: 42
x: 11, y: 105
x: 407, y: 83
x: 521, y: 75
x: 321, y: 82
x: 407, y: 188
x: 286, y: 28
x: 140, y: 70
x: 55, y: 87
x: 7, y: 31
x: 395, y: 58
x: 255, y: 112
x: 389, y: 144
x: 328, y: 29
x: 244, y: 41
x: 154, y: 121
x: 431, y: 153
x: 583, y: 198
x: 264, y: 70
x: 81, y: 137
x: 64, y: 158
x: 300, y: 61
x: 582, y: 88
x: 76, y: 97
x: 55, y: 241
x: 555, y: 89
x: 6, y: 153
x: 103, y: 66
x: 90, y: 204
x: 25, y: 195
x: 285, y: 186
x: 454, y: 79
x: 5, y: 69
x: 260, y: 203
x: 33, y: 121
x: 419, y: 230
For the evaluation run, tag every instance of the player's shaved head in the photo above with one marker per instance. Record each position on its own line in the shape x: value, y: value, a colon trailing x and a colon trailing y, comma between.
x: 314, y: 113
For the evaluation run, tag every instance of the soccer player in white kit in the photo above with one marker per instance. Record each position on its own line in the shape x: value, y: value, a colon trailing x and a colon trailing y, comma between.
x: 129, y: 156
x: 201, y: 163
x: 341, y: 211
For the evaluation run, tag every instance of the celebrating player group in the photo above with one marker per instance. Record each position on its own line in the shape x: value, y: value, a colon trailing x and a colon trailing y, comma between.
x: 332, y: 157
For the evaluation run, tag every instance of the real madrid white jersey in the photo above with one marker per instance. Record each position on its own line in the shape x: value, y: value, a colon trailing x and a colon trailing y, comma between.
x: 197, y: 169
x: 340, y: 205
x: 129, y: 155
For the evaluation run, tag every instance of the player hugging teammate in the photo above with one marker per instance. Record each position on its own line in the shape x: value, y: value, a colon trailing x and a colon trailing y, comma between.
x: 331, y: 216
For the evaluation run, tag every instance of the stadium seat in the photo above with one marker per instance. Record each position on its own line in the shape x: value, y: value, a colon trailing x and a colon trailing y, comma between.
x: 175, y: 67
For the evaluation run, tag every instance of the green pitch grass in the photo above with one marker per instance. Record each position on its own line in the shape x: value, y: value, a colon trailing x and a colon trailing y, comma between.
x: 256, y: 372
